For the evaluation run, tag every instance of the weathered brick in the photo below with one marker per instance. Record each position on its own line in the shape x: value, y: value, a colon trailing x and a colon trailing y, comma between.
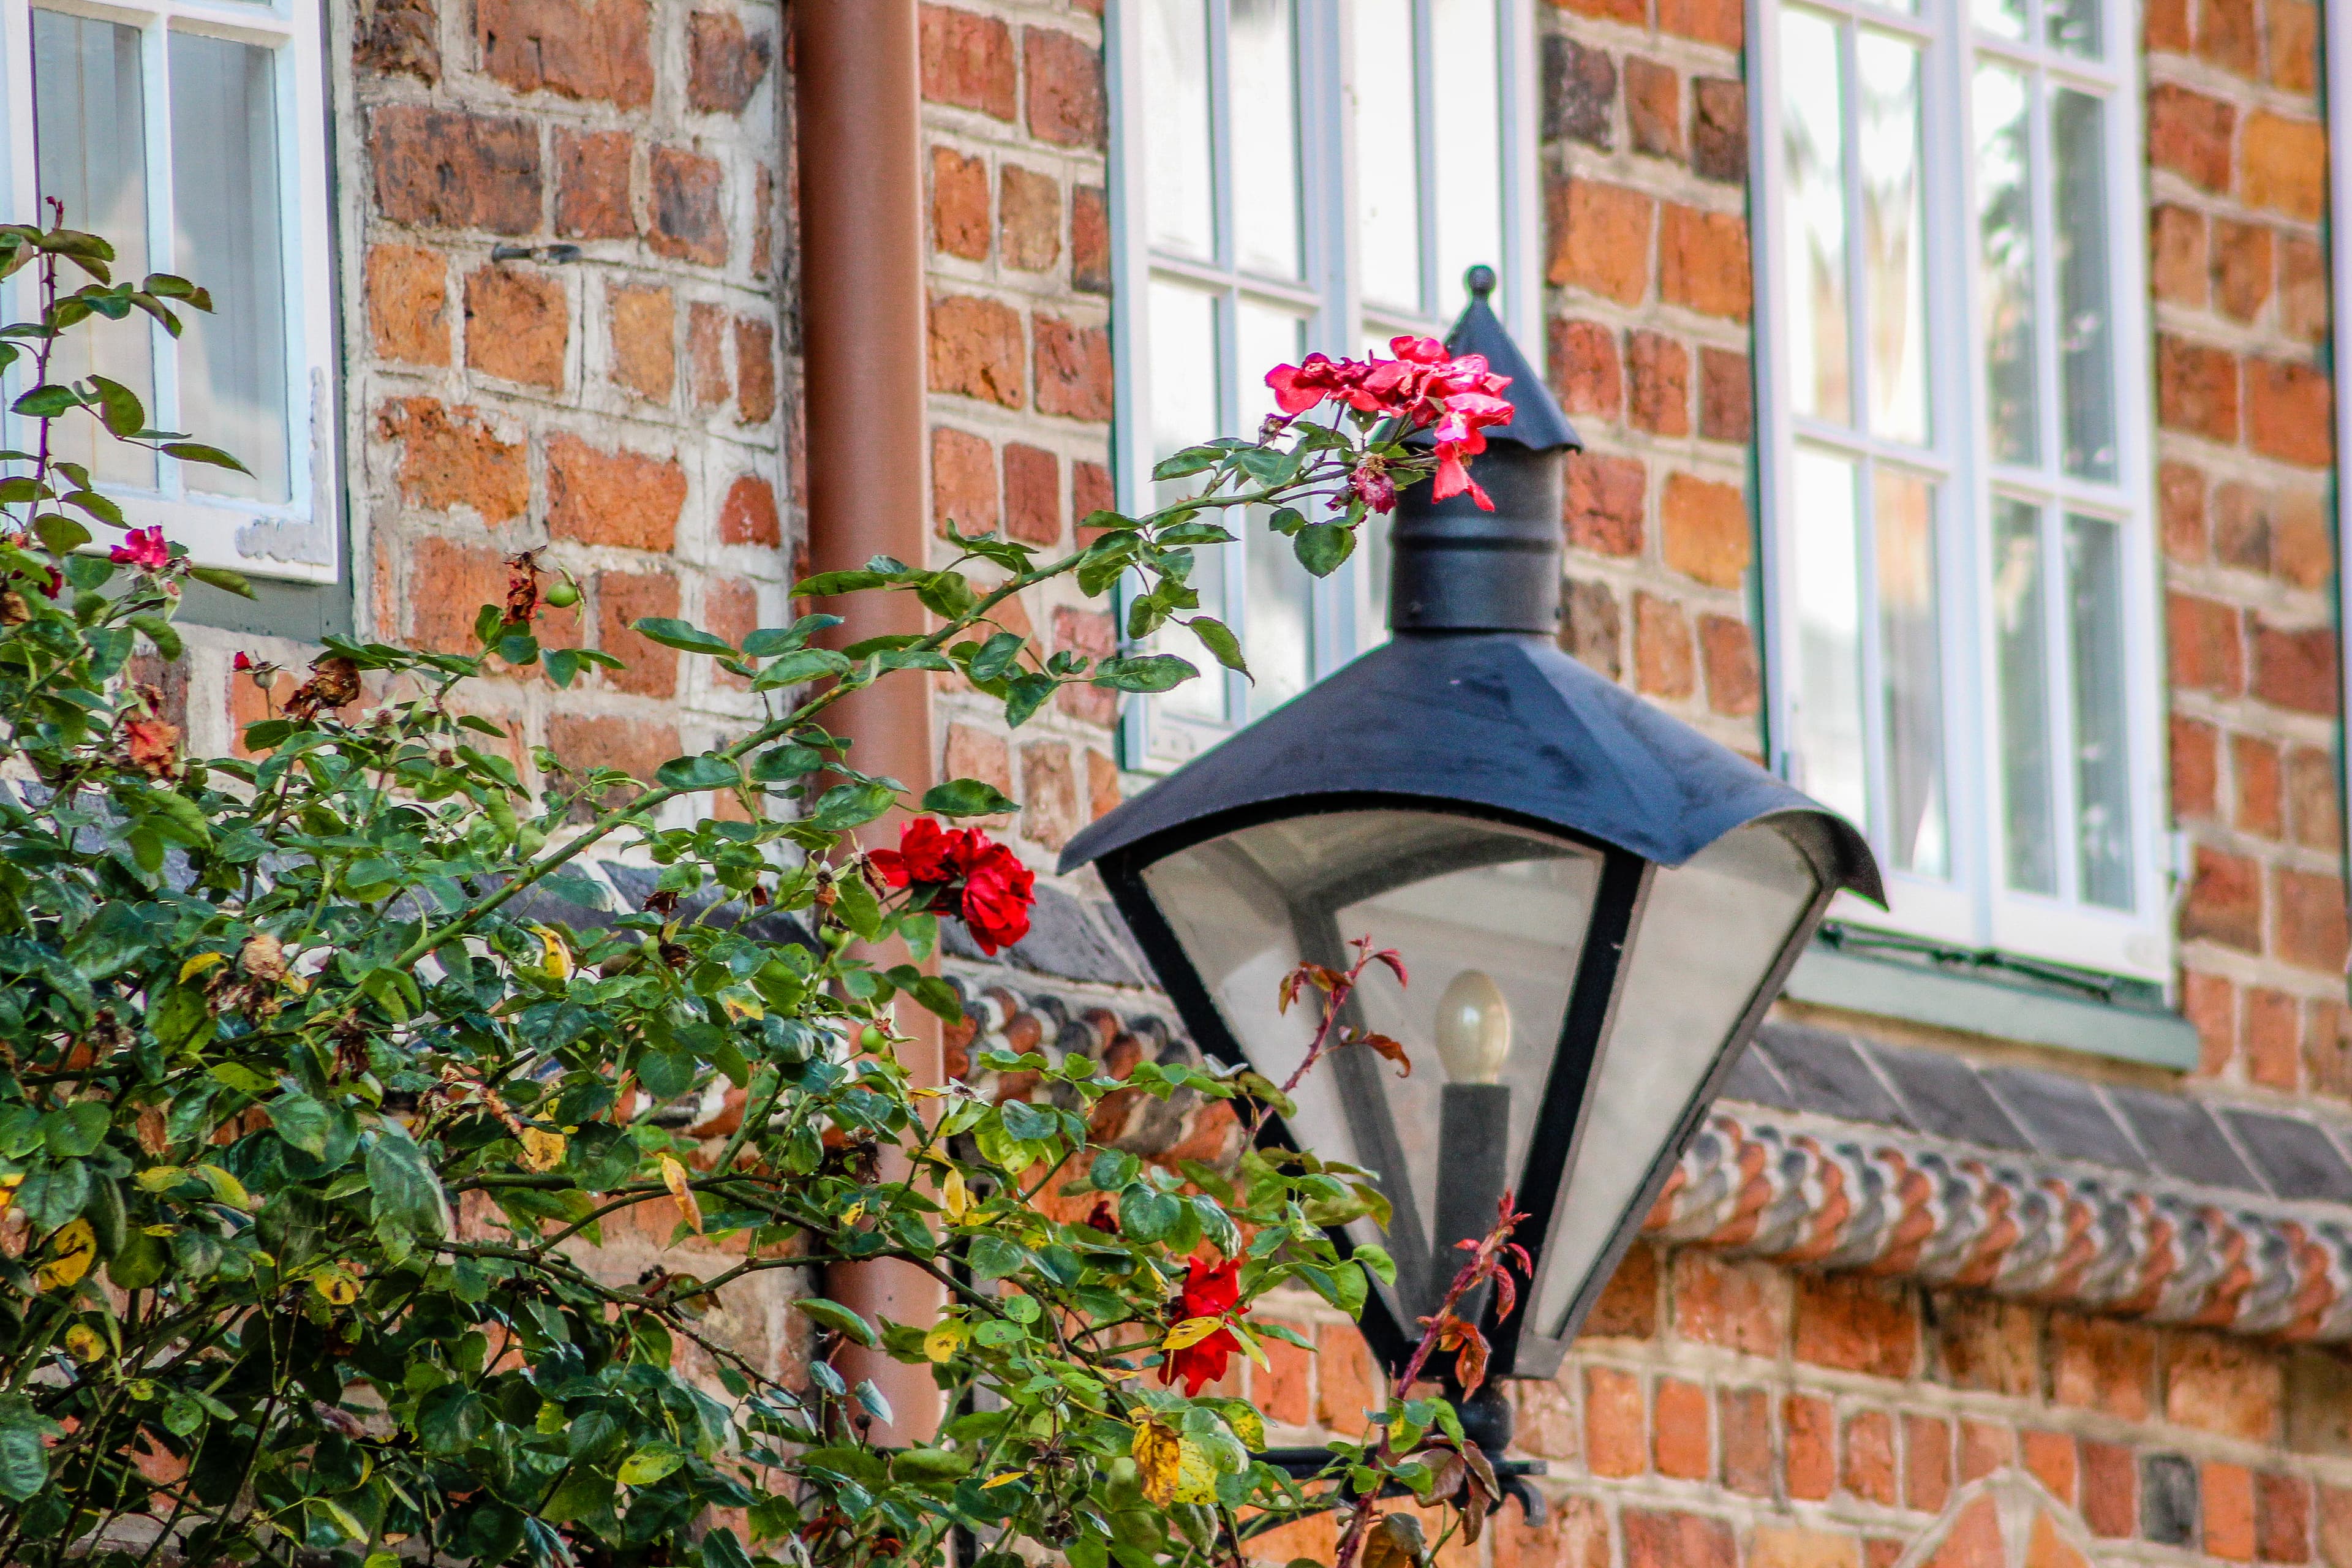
x: 2242, y: 527
x: 448, y: 582
x: 1985, y: 1447
x: 1867, y: 1467
x: 1974, y: 1539
x: 1074, y: 369
x: 968, y: 61
x: 1856, y: 1324
x: 1591, y: 627
x: 1605, y: 497
x: 644, y: 346
x: 2110, y: 1482
x: 399, y: 37
x: 1091, y: 491
x: 2225, y: 901
x: 1703, y: 261
x: 1989, y: 1345
x: 1033, y: 494
x: 1065, y: 84
x: 1658, y: 381
x: 707, y: 381
x: 973, y: 753
x: 1574, y: 1535
x: 1636, y: 12
x: 2101, y: 1364
x: 1719, y: 129
x: 599, y: 49
x: 1348, y: 1384
x: 2311, y: 919
x: 2282, y: 1518
x: 2227, y: 1494
x: 2207, y: 643
x: 1743, y: 1418
x: 1092, y: 634
x: 2303, y: 547
x: 633, y: 745
x: 1738, y: 1305
x: 2051, y: 1459
x: 2294, y: 36
x: 2334, y: 1526
x: 2222, y: 1385
x: 730, y: 609
x: 453, y: 457
x: 1927, y: 1463
x: 2195, y: 769
x: 747, y: 515
x: 2189, y: 132
x: 1281, y: 1388
x: 1812, y: 1464
x: 976, y: 349
x: 755, y: 370
x: 959, y: 204
x: 1089, y: 239
x: 689, y: 211
x: 1705, y: 529
x: 1600, y: 239
x: 1580, y: 87
x: 1726, y: 397
x: 2315, y: 816
x: 2243, y: 268
x: 2288, y: 412
x: 1613, y: 1423
x: 2181, y: 510
x: 2227, y: 36
x: 2284, y: 163
x: 2295, y: 669
x: 963, y: 481
x: 1734, y: 683
x: 2273, y: 1038
x: 1029, y: 209
x: 591, y: 185
x: 1584, y: 370
x: 2196, y: 388
x: 1628, y: 1307
x: 2179, y: 269
x: 2211, y: 1002
x: 1104, y: 793
x: 725, y: 64
x: 622, y: 599
x: 1717, y: 22
x: 1665, y: 1538
x: 1663, y: 661
x: 518, y: 324
x: 1050, y: 812
x: 763, y: 220
x: 408, y: 303
x: 1797, y: 1546
x: 442, y: 169
x: 624, y: 498
x: 2261, y: 805
x: 2166, y: 27
x: 1681, y: 1443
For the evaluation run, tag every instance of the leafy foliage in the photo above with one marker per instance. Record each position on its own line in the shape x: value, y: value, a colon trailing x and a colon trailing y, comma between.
x: 314, y: 1107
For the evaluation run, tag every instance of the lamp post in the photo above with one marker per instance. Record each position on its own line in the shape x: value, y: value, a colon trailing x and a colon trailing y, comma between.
x: 1596, y: 902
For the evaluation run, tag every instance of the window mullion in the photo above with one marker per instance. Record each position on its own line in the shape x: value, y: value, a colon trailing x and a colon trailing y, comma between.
x: 1424, y: 153
x: 163, y: 250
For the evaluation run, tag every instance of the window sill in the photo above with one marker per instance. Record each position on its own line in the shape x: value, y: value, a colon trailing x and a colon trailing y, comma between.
x: 1964, y: 992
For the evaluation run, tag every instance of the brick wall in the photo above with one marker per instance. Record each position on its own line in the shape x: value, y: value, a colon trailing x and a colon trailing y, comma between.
x: 1645, y: 167
x: 1016, y: 126
x: 2237, y: 177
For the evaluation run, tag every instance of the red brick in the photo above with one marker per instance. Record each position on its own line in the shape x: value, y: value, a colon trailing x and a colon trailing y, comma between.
x: 2294, y: 28
x: 1575, y: 1535
x: 2243, y: 268
x: 1665, y: 1537
x: 1989, y: 1345
x: 451, y: 458
x: 443, y: 169
x: 1635, y: 12
x: 1705, y: 530
x: 1280, y: 1388
x: 959, y: 204
x: 448, y: 582
x: 1579, y: 92
x: 1662, y: 663
x: 748, y: 516
x: 1628, y: 1307
x: 2285, y: 164
x: 1868, y: 1470
x: 644, y: 346
x: 2211, y: 1002
x: 1653, y: 107
x: 1092, y: 634
x: 2311, y: 919
x: 1612, y: 1422
x: 2303, y: 549
x: 2327, y: 1049
x: 1734, y: 683
x: 724, y: 63
x: 632, y: 745
x: 2225, y: 901
x: 1605, y: 503
x: 1103, y: 790
x: 2195, y: 769
x: 689, y: 211
x: 399, y: 37
x: 1812, y: 1446
x: 968, y: 61
x: 1974, y: 1539
x: 2099, y: 1364
x: 1074, y: 374
x: 1029, y: 208
x: 730, y: 609
x: 591, y: 185
x: 1546, y: 1419
x: 2167, y: 26
x: 2282, y: 1518
x: 2303, y: 280
x: 1346, y: 1383
x: 2315, y: 816
x: 2273, y: 1038
x: 2227, y: 36
x: 2294, y: 670
x: 1719, y: 129
x: 518, y: 325
x: 1985, y: 1447
x: 1591, y: 627
x: 1744, y: 1416
x: 600, y: 49
x: 2051, y: 1457
x: 2196, y: 389
x: 1033, y: 494
x: 1726, y: 397
x: 1600, y: 239
x: 2110, y: 1483
x: 706, y: 355
x: 2260, y: 808
x: 975, y: 349
x: 1064, y: 77
x: 408, y: 303
x: 2222, y: 1385
x: 2189, y: 133
x: 1090, y: 490
x: 2288, y: 412
x: 1703, y: 258
x: 1585, y: 371
x: 2227, y: 1495
x: 1738, y: 1305
x: 1089, y: 239
x: 973, y: 753
x: 625, y: 499
x: 2242, y: 527
x: 2334, y: 1531
x: 1795, y: 1546
x: 963, y: 481
x: 1659, y: 379
x: 755, y: 370
x: 1050, y: 812
x: 2178, y: 268
x: 1679, y: 1426
x: 2207, y: 647
x: 622, y: 599
x: 1927, y: 1463
x: 2180, y: 507
x: 1717, y: 22
x: 1856, y: 1324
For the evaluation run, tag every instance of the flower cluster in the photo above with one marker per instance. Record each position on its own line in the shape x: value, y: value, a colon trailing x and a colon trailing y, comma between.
x: 145, y: 548
x: 1423, y: 386
x: 1208, y: 1295
x: 963, y: 872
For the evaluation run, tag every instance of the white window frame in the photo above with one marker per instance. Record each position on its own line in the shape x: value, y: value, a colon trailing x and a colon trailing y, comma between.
x: 1345, y: 619
x: 299, y: 538
x: 1975, y: 908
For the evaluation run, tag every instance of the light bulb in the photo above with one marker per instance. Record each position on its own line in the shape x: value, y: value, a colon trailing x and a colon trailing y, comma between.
x: 1474, y: 1029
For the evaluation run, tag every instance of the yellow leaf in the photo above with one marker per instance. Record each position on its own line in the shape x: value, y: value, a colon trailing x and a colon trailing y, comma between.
x: 85, y: 1342
x: 542, y: 1149
x: 8, y: 1186
x: 225, y: 1188
x: 199, y: 963
x: 77, y: 1247
x: 955, y: 1196
x: 1001, y: 1480
x: 945, y: 1339
x: 338, y: 1288
x: 554, y: 957
x: 674, y: 1178
x: 1190, y: 1332
x: 1196, y: 1475
x: 1250, y: 1346
x: 1159, y: 1455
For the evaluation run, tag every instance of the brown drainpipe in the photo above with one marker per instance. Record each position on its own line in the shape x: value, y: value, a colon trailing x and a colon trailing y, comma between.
x: 857, y: 76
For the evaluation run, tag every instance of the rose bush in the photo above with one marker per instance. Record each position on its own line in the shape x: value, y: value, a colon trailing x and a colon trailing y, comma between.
x: 323, y: 1069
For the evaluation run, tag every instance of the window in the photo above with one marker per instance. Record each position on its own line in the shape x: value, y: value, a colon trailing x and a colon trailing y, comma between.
x: 1278, y: 191
x: 193, y: 138
x: 1960, y: 567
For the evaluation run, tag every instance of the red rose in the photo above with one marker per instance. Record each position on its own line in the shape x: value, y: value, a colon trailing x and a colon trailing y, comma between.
x: 1207, y: 1292
x: 925, y: 854
x: 997, y: 894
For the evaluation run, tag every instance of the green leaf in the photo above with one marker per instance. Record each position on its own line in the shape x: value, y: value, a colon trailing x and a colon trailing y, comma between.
x: 849, y: 805
x: 403, y: 1190
x: 802, y: 665
x: 1144, y: 672
x: 1321, y: 547
x: 1377, y: 1259
x: 651, y: 1463
x: 1219, y: 639
x: 60, y: 534
x: 46, y: 402
x: 197, y: 452
x: 118, y: 407
x: 450, y: 1417
x: 24, y: 1457
x: 1190, y: 460
x: 839, y: 1319
x: 968, y: 797
x: 301, y: 1121
x: 75, y: 1130
x: 995, y: 656
x: 707, y: 770
x: 227, y: 580
x: 683, y: 635
x: 993, y: 1257
x: 161, y: 632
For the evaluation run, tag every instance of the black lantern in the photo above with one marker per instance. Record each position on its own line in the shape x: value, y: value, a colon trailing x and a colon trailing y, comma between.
x: 1596, y: 904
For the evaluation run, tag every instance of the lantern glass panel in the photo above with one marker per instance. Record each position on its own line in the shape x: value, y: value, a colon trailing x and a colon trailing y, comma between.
x: 1489, y: 921
x: 1710, y: 933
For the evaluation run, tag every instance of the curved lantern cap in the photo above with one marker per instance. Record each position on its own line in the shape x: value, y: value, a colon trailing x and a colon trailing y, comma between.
x: 1595, y: 902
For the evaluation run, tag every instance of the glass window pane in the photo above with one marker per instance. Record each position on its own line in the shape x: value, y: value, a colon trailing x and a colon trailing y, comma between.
x: 1261, y: 44
x: 225, y: 211
x: 1911, y: 661
x: 2005, y: 231
x: 2006, y: 17
x: 1894, y: 228
x: 1183, y: 359
x: 1812, y: 140
x: 2074, y: 26
x: 1176, y: 125
x: 2086, y: 330
x: 89, y: 133
x: 1828, y: 635
x: 2029, y: 820
x: 1277, y: 613
x: 1388, y: 185
x: 1468, y: 56
x: 2102, y: 760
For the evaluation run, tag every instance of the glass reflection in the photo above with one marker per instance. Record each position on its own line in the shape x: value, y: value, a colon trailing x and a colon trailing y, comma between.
x: 2022, y: 653
x: 1911, y: 660
x: 1828, y: 731
x: 1893, y: 222
x: 2102, y: 762
x: 1813, y: 143
x: 1176, y: 111
x: 2005, y: 238
x: 1261, y: 44
x: 1388, y: 183
x: 2085, y: 346
x: 1183, y: 407
x: 1466, y: 59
